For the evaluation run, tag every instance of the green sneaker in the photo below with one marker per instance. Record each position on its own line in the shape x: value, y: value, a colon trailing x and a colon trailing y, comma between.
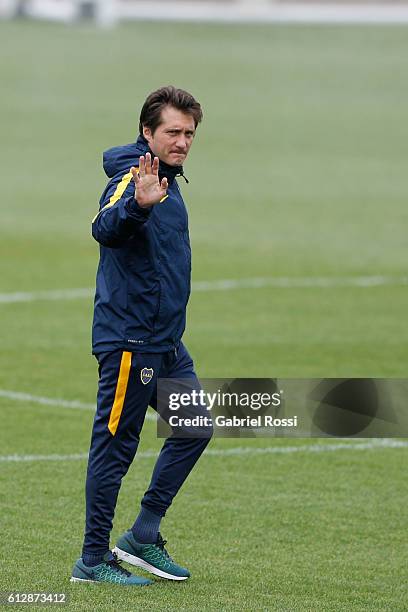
x: 107, y: 571
x: 152, y: 557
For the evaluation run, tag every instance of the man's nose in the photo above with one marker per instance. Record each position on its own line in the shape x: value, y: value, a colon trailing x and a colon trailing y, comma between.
x: 182, y: 143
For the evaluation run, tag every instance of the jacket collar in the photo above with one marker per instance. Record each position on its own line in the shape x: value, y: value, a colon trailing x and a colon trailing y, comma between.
x: 165, y: 170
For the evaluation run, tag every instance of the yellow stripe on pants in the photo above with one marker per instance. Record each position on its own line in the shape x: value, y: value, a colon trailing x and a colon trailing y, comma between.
x: 120, y: 393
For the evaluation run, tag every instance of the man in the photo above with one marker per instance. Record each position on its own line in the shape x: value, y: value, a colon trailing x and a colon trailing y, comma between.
x: 142, y: 289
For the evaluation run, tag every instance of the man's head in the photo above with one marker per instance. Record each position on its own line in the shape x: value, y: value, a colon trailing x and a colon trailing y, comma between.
x: 168, y: 121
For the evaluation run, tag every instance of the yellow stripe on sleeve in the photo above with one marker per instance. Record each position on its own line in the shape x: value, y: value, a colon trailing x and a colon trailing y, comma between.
x: 120, y: 393
x: 119, y: 191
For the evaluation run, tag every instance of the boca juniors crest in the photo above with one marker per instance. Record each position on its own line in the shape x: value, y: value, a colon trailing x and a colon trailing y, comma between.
x: 146, y: 375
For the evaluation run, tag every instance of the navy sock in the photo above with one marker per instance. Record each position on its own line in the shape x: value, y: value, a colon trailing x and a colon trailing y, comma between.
x: 146, y: 526
x: 92, y: 560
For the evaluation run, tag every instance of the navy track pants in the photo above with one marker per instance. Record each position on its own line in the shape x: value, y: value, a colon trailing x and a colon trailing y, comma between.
x: 121, y: 407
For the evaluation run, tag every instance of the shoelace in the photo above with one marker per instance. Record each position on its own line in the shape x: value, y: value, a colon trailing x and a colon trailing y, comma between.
x: 161, y: 544
x: 115, y: 564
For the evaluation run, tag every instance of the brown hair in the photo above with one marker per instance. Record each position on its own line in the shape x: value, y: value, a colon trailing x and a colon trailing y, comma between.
x: 150, y: 115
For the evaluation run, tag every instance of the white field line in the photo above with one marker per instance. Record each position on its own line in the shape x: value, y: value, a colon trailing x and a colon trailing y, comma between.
x: 292, y: 282
x: 238, y: 451
x: 53, y: 294
x: 279, y: 282
x: 53, y: 401
x: 46, y: 401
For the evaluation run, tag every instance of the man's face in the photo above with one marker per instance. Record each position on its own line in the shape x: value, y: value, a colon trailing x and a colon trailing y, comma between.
x: 173, y: 138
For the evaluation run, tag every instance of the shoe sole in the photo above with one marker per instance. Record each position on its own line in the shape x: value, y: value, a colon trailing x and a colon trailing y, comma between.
x: 125, y: 556
x: 74, y: 579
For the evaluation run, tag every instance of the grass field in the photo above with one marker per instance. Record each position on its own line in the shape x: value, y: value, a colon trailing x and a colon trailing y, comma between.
x: 298, y: 172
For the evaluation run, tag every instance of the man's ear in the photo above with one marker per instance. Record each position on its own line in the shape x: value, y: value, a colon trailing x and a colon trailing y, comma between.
x: 147, y: 133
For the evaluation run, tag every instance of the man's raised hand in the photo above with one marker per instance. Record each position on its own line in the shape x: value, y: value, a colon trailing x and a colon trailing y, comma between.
x: 148, y: 188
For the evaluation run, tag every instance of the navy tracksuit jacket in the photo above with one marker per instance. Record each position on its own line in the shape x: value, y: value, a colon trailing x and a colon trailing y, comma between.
x: 142, y: 290
x: 143, y: 279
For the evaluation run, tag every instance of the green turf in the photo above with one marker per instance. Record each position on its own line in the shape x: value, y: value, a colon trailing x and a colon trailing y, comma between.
x: 298, y: 170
